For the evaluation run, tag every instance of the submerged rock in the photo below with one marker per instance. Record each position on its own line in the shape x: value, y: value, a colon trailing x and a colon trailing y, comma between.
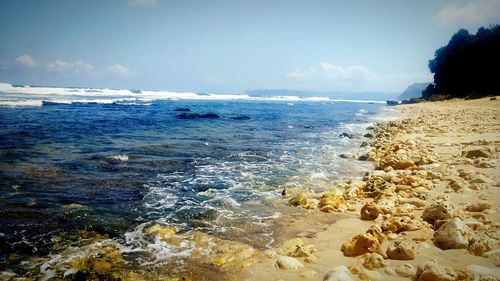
x: 197, y: 116
x: 453, y: 235
x: 182, y: 109
x: 346, y: 135
x: 240, y: 117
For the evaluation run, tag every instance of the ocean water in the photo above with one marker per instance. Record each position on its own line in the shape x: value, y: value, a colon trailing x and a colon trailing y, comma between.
x: 130, y: 162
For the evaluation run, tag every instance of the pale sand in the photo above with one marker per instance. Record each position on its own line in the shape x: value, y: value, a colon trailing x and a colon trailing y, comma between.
x: 446, y: 129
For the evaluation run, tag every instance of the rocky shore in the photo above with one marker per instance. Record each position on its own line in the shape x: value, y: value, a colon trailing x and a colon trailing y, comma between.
x: 429, y: 210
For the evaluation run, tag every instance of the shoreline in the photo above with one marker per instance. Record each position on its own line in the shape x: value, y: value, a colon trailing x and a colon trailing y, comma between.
x: 424, y: 177
x: 427, y: 168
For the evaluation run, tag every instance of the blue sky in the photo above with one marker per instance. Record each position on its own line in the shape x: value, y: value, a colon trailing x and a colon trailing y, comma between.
x: 230, y: 45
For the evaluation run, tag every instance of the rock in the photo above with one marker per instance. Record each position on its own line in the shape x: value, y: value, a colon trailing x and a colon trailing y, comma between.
x: 298, y: 199
x: 346, y: 135
x: 361, y: 244
x: 160, y: 231
x: 363, y: 157
x: 72, y: 206
x: 406, y: 270
x: 369, y: 212
x: 437, y: 211
x: 285, y: 262
x: 373, y: 261
x: 477, y: 153
x: 481, y: 179
x: 344, y: 156
x: 197, y: 116
x: 400, y: 224
x: 400, y: 251
x: 338, y: 273
x: 295, y: 248
x: 483, y: 273
x: 241, y: 117
x: 431, y: 271
x: 308, y: 274
x: 453, y: 235
x: 368, y: 135
x: 478, y: 206
x: 364, y: 274
x: 182, y: 109
x: 419, y: 203
x: 271, y: 254
x: 364, y: 144
x: 332, y: 202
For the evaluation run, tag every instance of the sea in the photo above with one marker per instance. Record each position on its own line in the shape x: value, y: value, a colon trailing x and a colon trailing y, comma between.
x: 115, y: 161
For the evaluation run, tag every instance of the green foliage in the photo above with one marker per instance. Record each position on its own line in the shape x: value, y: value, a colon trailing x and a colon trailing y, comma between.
x: 467, y: 66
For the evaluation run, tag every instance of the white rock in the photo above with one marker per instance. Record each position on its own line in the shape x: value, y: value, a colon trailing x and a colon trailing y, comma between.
x: 285, y: 262
x: 338, y: 273
x: 453, y: 235
x: 482, y: 271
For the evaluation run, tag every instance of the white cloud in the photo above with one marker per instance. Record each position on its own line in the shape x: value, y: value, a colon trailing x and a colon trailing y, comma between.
x: 329, y: 76
x: 471, y: 15
x: 26, y: 60
x: 331, y: 71
x: 119, y: 70
x: 77, y: 67
x: 298, y: 73
x: 143, y: 2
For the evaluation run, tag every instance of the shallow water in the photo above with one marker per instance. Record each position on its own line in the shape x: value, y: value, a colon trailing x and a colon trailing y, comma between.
x: 131, y: 165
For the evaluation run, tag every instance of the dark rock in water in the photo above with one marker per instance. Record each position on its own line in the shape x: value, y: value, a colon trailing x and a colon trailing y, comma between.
x: 392, y: 102
x: 209, y: 115
x: 370, y: 128
x: 197, y: 116
x: 308, y: 127
x: 363, y: 157
x: 412, y: 100
x: 241, y: 117
x: 182, y: 109
x: 345, y: 156
x: 364, y: 144
x: 368, y: 135
x: 346, y: 135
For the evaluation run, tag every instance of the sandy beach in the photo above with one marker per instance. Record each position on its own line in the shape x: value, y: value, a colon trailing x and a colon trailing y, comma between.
x: 430, y: 210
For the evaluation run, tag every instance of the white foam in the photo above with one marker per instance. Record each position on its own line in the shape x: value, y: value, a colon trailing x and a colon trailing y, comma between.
x: 33, y: 96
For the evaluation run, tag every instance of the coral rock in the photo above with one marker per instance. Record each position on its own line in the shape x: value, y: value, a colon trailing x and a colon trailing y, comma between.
x: 369, y: 211
x: 431, y: 271
x: 298, y: 199
x: 400, y: 251
x: 435, y: 212
x: 453, y: 235
x: 331, y: 202
x: 361, y: 244
x: 373, y: 261
x: 296, y: 248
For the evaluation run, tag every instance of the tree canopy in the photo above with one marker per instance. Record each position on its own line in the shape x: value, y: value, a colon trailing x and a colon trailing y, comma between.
x: 469, y: 66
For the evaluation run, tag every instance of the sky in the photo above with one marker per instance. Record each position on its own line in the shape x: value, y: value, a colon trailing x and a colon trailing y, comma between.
x: 230, y: 46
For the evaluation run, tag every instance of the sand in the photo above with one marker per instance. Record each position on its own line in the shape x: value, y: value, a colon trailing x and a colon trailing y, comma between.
x: 439, y: 132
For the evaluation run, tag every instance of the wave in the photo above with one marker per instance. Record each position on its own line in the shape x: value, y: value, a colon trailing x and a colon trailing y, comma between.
x: 18, y: 95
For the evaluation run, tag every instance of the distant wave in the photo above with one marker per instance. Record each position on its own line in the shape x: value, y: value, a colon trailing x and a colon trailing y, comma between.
x: 18, y: 95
